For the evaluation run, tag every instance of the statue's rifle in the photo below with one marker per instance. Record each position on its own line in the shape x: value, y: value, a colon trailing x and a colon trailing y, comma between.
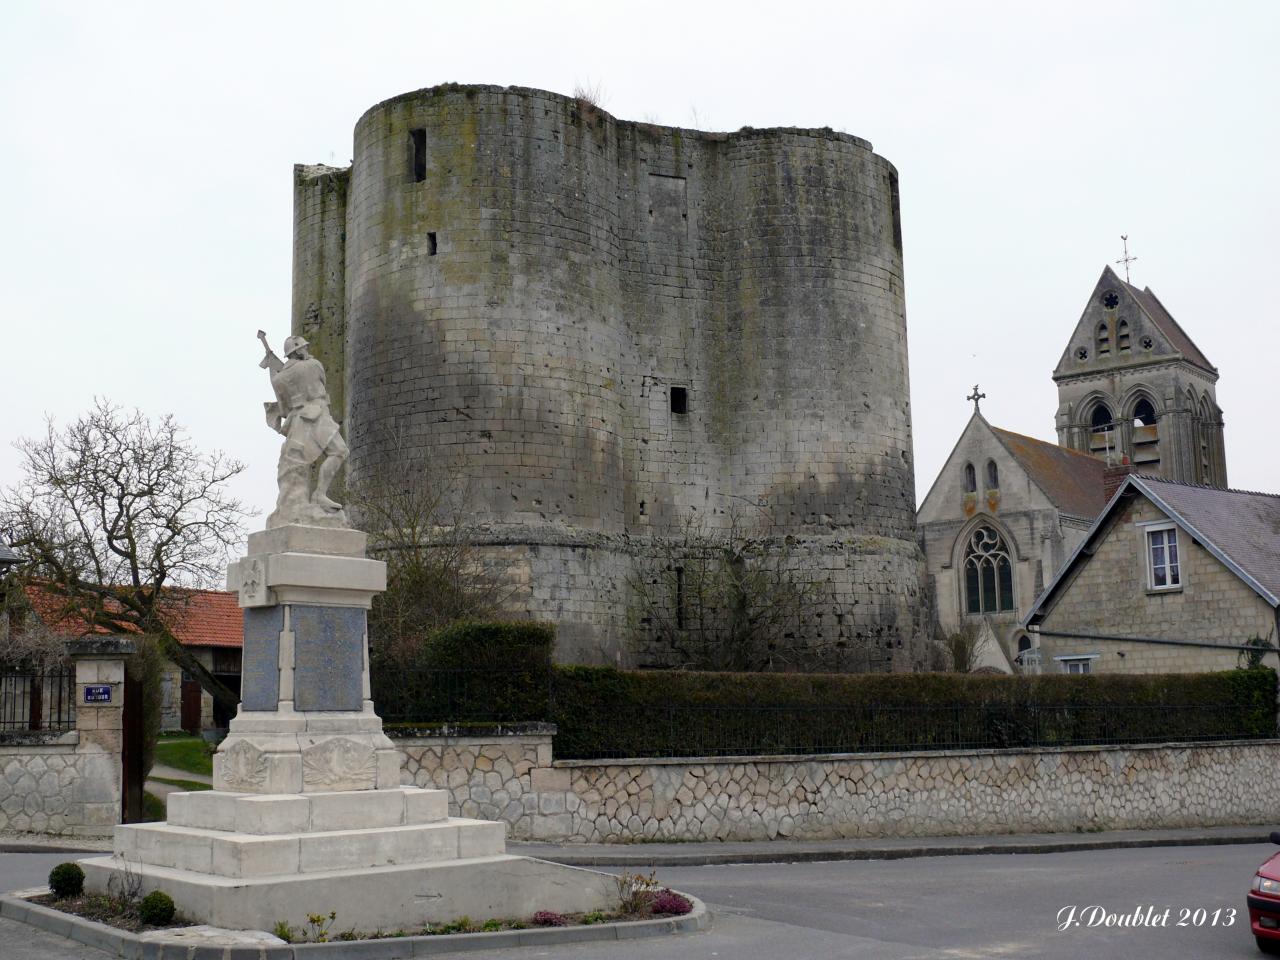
x: 270, y: 361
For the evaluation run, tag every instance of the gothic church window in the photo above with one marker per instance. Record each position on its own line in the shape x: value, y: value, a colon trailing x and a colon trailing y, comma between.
x: 993, y: 476
x: 1122, y: 336
x: 1104, y: 339
x: 988, y: 573
x: 970, y: 479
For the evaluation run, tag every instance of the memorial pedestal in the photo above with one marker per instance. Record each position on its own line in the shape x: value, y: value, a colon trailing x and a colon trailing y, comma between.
x: 307, y: 814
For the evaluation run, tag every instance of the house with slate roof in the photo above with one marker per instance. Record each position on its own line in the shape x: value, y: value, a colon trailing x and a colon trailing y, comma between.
x: 1003, y: 515
x: 1173, y: 577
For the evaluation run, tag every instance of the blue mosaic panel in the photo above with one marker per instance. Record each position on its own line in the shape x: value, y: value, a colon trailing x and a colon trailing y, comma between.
x: 328, y: 657
x: 260, y: 676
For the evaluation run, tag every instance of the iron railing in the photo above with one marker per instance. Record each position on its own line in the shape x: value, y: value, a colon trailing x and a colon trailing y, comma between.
x: 462, y: 695
x: 37, y: 701
x: 675, y: 730
x: 531, y: 693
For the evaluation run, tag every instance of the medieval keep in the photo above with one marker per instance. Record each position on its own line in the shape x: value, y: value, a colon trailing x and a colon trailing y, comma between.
x: 1007, y: 512
x: 615, y: 330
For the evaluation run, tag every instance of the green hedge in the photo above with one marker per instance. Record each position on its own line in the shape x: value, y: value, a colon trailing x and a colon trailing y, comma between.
x: 603, y: 712
x: 502, y: 672
x: 471, y: 671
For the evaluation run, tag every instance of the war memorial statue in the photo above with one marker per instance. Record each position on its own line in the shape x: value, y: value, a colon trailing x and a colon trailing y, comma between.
x: 300, y: 412
x: 307, y: 806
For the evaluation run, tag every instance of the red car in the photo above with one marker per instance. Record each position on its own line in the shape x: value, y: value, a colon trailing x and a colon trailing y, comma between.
x: 1264, y: 903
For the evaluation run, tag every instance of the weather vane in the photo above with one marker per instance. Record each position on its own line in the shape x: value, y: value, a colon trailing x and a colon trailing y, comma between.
x: 1126, y: 259
x: 975, y: 397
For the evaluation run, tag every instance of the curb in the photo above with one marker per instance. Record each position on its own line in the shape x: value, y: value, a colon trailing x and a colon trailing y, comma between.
x: 130, y: 946
x: 568, y: 858
x: 42, y: 848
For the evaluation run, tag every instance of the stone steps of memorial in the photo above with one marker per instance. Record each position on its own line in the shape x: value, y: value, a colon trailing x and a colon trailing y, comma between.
x: 243, y: 855
x: 300, y: 813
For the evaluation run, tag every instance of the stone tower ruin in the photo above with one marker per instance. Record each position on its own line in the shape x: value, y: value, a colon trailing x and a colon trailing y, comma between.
x: 615, y: 328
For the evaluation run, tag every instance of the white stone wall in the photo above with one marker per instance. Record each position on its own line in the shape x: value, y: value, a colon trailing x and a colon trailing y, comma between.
x: 489, y: 778
x: 48, y: 785
x: 870, y: 795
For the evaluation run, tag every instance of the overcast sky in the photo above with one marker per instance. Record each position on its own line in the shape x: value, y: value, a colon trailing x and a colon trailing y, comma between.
x: 147, y: 153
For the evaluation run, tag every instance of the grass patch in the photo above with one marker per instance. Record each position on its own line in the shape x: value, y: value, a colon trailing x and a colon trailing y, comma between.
x: 153, y: 808
x: 188, y: 785
x: 191, y: 754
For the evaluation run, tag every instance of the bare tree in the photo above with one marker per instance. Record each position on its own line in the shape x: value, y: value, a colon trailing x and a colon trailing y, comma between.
x: 418, y: 518
x: 720, y: 599
x: 962, y: 649
x: 116, y: 514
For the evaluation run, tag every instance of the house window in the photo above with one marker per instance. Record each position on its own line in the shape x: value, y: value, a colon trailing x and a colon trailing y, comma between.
x: 1078, y: 665
x: 988, y: 573
x: 970, y: 478
x: 1163, y: 566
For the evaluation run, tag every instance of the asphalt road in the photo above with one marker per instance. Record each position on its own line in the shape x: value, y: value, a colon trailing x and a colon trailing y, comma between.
x: 943, y: 908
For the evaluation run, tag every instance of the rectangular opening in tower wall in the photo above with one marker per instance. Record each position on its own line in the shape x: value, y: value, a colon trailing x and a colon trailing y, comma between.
x: 418, y: 155
x: 431, y: 244
x: 680, y: 400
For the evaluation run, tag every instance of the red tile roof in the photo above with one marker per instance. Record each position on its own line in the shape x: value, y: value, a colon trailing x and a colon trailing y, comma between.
x: 200, y: 618
x: 1073, y: 481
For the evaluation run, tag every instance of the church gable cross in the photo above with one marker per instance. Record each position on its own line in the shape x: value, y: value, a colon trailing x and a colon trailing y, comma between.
x: 975, y: 397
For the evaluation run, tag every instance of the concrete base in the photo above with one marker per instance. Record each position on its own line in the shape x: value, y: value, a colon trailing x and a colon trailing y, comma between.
x: 380, y: 898
x: 283, y: 751
x: 384, y: 859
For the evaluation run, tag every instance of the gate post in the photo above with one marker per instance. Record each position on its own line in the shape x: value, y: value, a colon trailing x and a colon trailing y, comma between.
x: 100, y: 696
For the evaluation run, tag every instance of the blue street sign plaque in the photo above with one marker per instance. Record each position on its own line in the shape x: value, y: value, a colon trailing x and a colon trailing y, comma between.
x: 97, y: 694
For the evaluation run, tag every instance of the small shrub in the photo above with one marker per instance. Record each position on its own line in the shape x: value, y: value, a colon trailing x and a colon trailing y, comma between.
x: 318, y: 926
x: 284, y: 931
x: 489, y: 926
x: 156, y: 909
x: 635, y: 891
x: 549, y: 918
x: 669, y: 902
x: 595, y: 916
x: 66, y: 880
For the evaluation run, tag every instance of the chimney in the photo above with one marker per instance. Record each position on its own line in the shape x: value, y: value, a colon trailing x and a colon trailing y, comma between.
x: 1113, y: 475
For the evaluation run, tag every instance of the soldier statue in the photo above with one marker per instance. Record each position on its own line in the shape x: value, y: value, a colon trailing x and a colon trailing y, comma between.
x: 301, y: 413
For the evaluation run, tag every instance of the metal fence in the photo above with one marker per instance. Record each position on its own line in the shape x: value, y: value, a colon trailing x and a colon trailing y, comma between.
x: 675, y: 729
x: 37, y: 701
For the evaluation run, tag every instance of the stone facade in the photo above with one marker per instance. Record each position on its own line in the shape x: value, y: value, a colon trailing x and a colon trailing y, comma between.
x: 1038, y: 533
x: 614, y: 328
x: 1127, y: 351
x: 871, y: 795
x: 1109, y: 594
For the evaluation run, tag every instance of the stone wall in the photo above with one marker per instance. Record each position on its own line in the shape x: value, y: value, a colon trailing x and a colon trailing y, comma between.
x: 871, y: 795
x: 495, y: 774
x: 530, y: 281
x: 70, y: 782
x: 48, y: 784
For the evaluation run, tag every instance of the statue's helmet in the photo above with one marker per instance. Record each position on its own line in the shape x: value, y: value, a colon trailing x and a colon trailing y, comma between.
x: 294, y: 343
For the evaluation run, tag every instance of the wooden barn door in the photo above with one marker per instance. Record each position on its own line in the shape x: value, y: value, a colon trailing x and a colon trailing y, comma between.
x: 191, y: 706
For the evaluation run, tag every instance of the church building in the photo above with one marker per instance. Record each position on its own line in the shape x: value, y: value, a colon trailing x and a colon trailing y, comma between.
x: 1135, y: 395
